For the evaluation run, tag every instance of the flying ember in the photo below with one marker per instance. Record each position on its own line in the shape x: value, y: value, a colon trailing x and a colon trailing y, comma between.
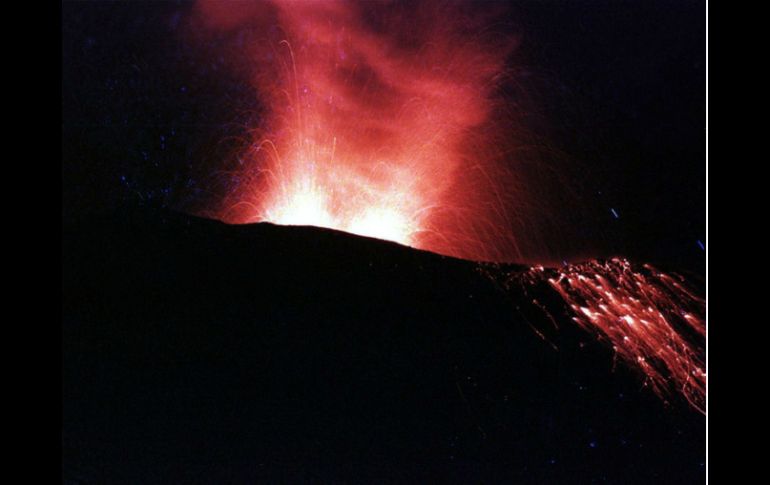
x: 380, y: 119
x: 653, y: 321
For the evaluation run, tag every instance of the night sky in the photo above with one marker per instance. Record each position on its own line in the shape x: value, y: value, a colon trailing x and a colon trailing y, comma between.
x: 616, y: 88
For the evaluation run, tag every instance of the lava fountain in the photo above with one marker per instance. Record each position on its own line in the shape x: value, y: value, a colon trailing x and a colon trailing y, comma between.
x: 380, y: 120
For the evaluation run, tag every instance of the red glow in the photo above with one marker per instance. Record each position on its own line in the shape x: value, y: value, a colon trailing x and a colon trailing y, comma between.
x: 375, y: 118
x: 653, y: 322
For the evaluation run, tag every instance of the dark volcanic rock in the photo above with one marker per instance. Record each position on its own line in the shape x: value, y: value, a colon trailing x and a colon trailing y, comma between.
x: 196, y: 352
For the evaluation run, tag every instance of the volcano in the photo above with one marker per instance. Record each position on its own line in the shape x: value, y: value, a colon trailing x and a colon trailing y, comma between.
x: 200, y: 352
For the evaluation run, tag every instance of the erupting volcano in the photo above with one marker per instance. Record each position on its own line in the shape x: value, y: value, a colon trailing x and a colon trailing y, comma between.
x: 363, y: 241
x: 384, y: 119
x: 380, y: 120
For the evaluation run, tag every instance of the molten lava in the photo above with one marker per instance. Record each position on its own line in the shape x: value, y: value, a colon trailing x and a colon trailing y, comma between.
x: 652, y: 320
x: 376, y: 118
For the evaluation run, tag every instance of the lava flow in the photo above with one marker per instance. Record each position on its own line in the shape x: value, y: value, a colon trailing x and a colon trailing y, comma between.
x: 653, y: 321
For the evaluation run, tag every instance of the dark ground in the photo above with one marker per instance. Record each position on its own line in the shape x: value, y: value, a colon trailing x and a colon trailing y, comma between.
x: 196, y: 352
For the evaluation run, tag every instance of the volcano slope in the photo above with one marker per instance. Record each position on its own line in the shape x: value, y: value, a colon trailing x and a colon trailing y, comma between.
x: 198, y: 352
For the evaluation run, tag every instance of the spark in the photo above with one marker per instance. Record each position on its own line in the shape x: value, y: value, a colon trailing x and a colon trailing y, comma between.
x: 394, y: 131
x: 651, y: 319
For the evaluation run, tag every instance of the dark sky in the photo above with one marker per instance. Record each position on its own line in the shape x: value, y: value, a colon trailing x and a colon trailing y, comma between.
x: 620, y: 90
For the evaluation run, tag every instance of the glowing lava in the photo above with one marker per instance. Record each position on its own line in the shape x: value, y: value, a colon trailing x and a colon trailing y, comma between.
x: 345, y: 201
x: 652, y: 320
x: 374, y: 115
